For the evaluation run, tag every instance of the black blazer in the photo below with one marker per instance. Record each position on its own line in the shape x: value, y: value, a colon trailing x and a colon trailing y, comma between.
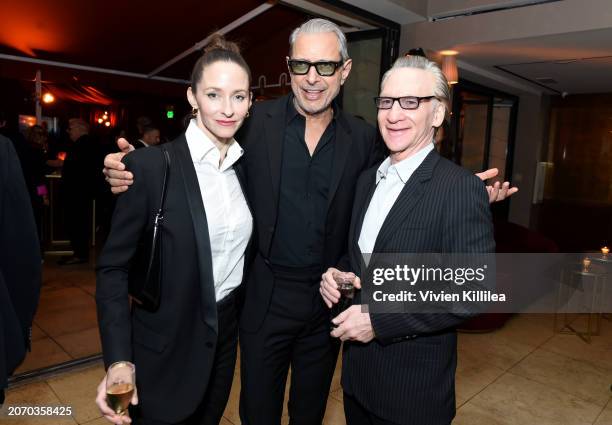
x: 20, y: 266
x: 407, y: 373
x: 173, y: 348
x: 139, y: 144
x: 356, y: 149
x: 79, y: 174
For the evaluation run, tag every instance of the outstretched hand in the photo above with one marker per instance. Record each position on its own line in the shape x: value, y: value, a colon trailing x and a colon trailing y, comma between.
x: 498, y: 191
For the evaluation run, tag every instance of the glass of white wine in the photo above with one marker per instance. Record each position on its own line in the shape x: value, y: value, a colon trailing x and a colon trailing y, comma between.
x: 120, y: 383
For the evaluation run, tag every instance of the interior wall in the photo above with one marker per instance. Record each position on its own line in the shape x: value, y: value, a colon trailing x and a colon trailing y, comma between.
x: 531, y: 131
x: 580, y: 149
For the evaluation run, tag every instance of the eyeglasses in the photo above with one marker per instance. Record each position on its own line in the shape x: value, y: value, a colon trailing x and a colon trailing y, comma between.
x: 406, y: 102
x: 324, y: 68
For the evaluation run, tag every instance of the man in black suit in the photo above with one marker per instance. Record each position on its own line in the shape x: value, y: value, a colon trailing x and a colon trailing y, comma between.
x: 78, y: 189
x: 150, y: 137
x: 20, y: 265
x: 399, y: 368
x: 303, y: 157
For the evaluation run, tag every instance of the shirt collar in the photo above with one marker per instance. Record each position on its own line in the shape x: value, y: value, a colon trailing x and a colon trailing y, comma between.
x: 404, y: 168
x: 203, y: 149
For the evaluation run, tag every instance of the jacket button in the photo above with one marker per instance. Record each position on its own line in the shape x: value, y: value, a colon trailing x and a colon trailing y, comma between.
x: 209, y: 345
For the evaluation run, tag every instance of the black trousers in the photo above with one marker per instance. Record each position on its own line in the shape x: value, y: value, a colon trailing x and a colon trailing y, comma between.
x: 356, y: 414
x: 210, y: 411
x: 78, y: 223
x: 295, y: 332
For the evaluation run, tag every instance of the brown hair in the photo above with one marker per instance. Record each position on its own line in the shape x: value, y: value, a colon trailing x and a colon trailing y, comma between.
x: 219, y: 49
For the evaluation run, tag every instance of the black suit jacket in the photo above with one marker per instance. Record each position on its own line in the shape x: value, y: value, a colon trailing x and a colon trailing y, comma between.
x: 173, y: 348
x: 79, y: 174
x: 20, y: 266
x: 407, y: 373
x: 356, y: 149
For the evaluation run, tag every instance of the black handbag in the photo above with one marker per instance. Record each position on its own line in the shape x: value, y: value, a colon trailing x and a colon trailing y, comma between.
x: 145, y: 272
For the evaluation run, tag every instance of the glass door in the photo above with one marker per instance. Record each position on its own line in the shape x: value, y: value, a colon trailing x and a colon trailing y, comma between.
x: 482, y: 131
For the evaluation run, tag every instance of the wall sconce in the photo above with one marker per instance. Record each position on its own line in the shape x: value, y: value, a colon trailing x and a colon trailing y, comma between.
x: 449, y: 66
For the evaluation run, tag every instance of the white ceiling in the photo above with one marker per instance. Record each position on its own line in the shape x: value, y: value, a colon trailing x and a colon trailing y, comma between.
x: 579, y: 62
x: 569, y: 41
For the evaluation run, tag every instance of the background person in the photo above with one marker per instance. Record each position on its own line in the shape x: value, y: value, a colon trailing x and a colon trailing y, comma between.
x: 79, y: 189
x: 20, y: 264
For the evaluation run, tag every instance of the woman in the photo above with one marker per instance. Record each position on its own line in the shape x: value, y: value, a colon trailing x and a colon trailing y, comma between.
x: 185, y: 352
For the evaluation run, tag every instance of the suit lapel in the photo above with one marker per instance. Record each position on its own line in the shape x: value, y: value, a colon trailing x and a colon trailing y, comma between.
x: 274, y: 134
x: 200, y: 227
x: 408, y: 198
x: 243, y: 184
x: 342, y: 150
x: 363, y: 207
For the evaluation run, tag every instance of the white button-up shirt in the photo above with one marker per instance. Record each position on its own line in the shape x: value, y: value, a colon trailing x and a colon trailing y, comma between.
x: 230, y: 223
x: 390, y: 180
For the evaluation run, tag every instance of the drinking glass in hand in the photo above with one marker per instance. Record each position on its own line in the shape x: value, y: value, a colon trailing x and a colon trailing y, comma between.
x: 120, y: 382
x: 344, y: 280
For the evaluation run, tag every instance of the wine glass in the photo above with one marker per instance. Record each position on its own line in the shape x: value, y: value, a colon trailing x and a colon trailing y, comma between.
x: 345, y: 282
x: 120, y: 383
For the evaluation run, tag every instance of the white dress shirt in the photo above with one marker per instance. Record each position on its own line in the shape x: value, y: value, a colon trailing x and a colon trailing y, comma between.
x: 390, y: 180
x: 230, y: 223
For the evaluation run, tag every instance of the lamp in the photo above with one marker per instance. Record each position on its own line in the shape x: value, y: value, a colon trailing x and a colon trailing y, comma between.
x: 449, y: 66
x: 48, y: 98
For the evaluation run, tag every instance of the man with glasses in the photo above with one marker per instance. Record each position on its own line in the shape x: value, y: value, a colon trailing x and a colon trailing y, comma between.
x: 302, y: 158
x: 399, y: 368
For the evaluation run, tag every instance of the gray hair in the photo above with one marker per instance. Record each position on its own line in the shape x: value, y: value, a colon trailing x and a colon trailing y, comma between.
x: 79, y: 122
x: 441, y: 89
x: 318, y: 26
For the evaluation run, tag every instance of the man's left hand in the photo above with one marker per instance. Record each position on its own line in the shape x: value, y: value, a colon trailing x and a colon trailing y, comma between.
x: 353, y: 325
x: 499, y: 191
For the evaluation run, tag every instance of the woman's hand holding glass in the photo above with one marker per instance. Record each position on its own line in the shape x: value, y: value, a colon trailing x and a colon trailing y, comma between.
x: 116, y: 391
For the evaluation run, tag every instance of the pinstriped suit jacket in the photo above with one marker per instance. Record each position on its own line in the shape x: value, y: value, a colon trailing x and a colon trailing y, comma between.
x: 407, y: 373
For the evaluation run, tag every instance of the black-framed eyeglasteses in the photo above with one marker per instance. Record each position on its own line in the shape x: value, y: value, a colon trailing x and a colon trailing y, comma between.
x: 324, y: 68
x: 405, y: 102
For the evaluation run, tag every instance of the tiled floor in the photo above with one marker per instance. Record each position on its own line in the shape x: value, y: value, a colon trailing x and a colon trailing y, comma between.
x: 65, y: 326
x: 522, y: 374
